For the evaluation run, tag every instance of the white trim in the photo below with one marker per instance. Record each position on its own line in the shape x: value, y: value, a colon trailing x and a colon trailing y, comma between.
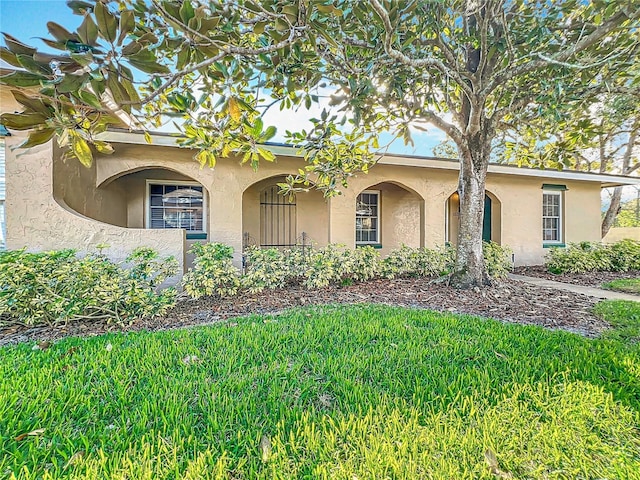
x: 560, y: 195
x: 147, y: 202
x: 606, y: 180
x: 378, y: 217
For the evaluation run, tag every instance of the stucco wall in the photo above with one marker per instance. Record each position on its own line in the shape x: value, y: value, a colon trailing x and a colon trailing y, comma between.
x: 74, y: 185
x: 517, y: 208
x: 39, y: 222
x: 400, y: 217
x: 134, y: 188
x: 620, y: 233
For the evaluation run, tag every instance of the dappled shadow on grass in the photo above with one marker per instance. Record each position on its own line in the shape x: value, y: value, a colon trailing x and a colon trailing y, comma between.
x: 338, y: 392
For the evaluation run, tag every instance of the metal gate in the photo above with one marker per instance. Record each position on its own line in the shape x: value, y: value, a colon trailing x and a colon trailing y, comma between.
x: 277, y: 219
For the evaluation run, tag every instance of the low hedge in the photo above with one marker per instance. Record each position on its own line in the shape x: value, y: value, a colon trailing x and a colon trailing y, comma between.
x: 586, y: 257
x: 58, y: 286
x: 214, y: 274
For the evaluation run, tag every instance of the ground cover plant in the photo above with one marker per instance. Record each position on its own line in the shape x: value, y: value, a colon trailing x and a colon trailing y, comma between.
x: 333, y: 392
x: 628, y: 285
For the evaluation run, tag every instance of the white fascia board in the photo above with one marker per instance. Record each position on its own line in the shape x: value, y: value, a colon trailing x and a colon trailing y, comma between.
x: 164, y: 140
x: 426, y: 162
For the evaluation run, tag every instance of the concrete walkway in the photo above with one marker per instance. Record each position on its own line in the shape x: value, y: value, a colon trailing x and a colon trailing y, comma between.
x: 590, y: 291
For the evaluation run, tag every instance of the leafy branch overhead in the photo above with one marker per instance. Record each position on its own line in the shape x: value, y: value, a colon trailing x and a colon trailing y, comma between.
x: 219, y: 66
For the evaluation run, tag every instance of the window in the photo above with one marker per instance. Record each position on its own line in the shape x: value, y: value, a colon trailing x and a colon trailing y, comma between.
x: 552, y: 217
x: 368, y: 218
x: 176, y: 205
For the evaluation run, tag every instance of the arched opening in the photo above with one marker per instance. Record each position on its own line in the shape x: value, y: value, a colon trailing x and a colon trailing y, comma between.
x: 158, y: 198
x: 491, y: 223
x: 389, y: 215
x: 270, y: 219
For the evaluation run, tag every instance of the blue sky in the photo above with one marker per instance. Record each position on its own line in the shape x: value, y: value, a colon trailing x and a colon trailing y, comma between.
x: 27, y: 20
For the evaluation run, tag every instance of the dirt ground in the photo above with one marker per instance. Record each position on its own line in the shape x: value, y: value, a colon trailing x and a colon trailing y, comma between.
x: 508, y: 301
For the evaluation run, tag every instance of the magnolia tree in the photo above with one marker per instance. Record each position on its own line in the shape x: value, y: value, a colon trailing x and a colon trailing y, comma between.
x: 466, y: 67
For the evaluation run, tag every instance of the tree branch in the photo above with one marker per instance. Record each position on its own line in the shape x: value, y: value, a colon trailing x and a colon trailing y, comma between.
x: 415, y: 62
x: 561, y: 57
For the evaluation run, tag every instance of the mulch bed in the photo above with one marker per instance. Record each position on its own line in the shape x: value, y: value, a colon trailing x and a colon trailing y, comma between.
x: 589, y: 279
x: 509, y: 301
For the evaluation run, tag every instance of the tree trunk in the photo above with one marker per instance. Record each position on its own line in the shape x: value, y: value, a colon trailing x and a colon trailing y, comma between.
x: 612, y: 211
x: 470, y: 269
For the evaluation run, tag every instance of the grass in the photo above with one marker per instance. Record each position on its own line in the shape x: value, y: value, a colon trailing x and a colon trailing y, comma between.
x: 332, y: 392
x: 624, y: 316
x: 628, y: 285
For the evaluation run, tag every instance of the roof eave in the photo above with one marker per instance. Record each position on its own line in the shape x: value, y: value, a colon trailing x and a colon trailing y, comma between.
x: 605, y: 180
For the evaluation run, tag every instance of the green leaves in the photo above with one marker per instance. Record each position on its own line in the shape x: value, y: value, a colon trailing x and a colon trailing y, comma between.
x: 80, y: 149
x: 145, y: 60
x: 127, y: 24
x: 38, y: 137
x: 22, y: 121
x: 56, y: 287
x: 88, y: 31
x: 106, y: 22
x: 22, y: 79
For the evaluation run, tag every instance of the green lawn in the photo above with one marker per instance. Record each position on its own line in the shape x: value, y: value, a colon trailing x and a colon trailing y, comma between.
x: 361, y: 392
x: 628, y: 285
x: 624, y: 316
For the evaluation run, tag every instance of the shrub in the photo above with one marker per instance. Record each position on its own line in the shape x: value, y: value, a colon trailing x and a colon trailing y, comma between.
x: 436, y: 262
x: 54, y: 287
x: 497, y: 258
x: 326, y: 265
x: 625, y: 255
x: 365, y: 264
x: 579, y: 258
x: 264, y: 268
x: 296, y: 261
x: 401, y: 262
x: 212, y: 272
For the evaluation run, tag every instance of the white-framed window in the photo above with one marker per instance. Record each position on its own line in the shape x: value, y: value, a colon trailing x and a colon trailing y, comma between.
x: 552, y: 216
x: 175, y: 204
x: 368, y: 217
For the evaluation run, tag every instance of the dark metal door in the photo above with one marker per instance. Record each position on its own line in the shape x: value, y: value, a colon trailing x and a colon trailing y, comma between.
x: 277, y: 219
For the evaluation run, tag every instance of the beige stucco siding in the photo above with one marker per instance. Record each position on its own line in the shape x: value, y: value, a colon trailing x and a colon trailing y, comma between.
x: 312, y: 213
x: 39, y: 222
x: 134, y: 187
x: 74, y: 185
x: 582, y: 212
x: 413, y: 202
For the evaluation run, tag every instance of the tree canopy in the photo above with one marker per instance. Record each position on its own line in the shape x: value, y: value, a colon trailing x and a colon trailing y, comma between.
x: 470, y: 68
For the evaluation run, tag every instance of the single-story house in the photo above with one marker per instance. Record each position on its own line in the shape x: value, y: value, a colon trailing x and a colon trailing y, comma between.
x: 156, y: 195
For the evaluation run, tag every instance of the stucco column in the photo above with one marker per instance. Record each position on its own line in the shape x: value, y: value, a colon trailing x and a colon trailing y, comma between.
x: 225, y: 212
x: 342, y: 219
x: 435, y: 197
